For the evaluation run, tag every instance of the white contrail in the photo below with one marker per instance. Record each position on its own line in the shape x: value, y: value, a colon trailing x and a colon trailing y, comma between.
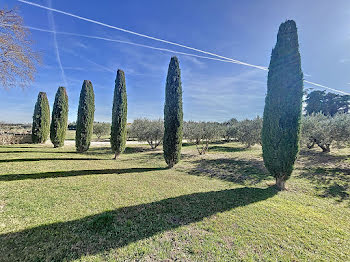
x: 326, y: 87
x: 164, y: 41
x: 167, y: 50
x: 130, y: 43
x: 138, y: 34
x: 51, y: 19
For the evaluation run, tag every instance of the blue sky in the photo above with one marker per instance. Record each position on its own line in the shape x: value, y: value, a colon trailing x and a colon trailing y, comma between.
x: 212, y: 90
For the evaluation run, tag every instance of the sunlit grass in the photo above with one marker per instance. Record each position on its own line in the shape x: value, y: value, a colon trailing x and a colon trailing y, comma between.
x: 57, y: 205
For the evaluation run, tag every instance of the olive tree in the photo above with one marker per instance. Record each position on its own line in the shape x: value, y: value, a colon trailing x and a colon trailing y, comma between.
x: 101, y: 129
x: 148, y: 130
x: 202, y: 133
x: 325, y: 131
x: 248, y: 132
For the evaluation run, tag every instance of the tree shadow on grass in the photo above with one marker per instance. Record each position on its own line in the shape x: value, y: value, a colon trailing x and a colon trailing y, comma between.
x: 46, y: 159
x: 66, y: 241
x: 244, y: 172
x: 15, y: 146
x: 226, y: 149
x: 54, y: 174
x: 316, y: 158
x: 138, y: 149
x: 330, y: 182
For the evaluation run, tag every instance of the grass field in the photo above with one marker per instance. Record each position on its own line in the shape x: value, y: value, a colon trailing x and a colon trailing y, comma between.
x: 57, y: 205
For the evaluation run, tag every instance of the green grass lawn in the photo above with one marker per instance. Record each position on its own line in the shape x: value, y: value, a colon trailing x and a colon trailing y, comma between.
x: 57, y: 205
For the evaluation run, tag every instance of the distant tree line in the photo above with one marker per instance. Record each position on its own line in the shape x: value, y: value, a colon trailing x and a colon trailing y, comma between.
x: 328, y: 104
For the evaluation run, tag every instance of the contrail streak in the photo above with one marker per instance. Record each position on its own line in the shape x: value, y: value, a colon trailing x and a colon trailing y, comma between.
x: 326, y: 87
x: 52, y: 21
x: 167, y: 50
x: 165, y: 41
x: 130, y: 43
x: 138, y: 34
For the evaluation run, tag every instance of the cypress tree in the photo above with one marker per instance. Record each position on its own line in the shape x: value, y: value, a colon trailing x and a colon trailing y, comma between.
x: 59, y: 118
x: 119, y: 115
x: 41, y: 119
x: 85, y: 119
x: 283, y: 105
x: 173, y: 115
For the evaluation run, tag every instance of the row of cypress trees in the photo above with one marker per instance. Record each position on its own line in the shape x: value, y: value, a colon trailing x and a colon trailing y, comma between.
x: 173, y: 116
x: 41, y: 128
x: 281, y: 120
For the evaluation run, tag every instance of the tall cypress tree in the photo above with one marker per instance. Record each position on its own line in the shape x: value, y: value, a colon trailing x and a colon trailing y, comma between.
x: 85, y: 119
x: 283, y: 105
x: 59, y: 118
x: 173, y: 115
x: 41, y: 119
x: 119, y: 115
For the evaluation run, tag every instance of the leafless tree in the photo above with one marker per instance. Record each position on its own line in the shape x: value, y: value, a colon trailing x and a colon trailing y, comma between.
x: 18, y: 60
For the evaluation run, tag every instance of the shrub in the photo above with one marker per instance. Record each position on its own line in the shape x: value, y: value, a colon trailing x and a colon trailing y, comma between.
x: 283, y: 105
x: 101, y: 129
x: 173, y: 115
x: 151, y: 131
x: 41, y: 119
x: 86, y: 111
x: 59, y: 118
x: 119, y: 115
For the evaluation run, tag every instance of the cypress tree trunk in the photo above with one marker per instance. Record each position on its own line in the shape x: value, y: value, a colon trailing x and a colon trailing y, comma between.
x: 173, y: 115
x: 41, y: 119
x: 283, y: 105
x: 85, y: 119
x: 59, y: 118
x: 119, y: 115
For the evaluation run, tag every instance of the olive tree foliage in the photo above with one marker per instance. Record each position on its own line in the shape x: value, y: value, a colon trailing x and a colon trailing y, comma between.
x: 101, y: 129
x: 18, y: 60
x: 202, y: 133
x: 326, y: 131
x: 148, y: 130
x: 248, y: 132
x: 229, y: 129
